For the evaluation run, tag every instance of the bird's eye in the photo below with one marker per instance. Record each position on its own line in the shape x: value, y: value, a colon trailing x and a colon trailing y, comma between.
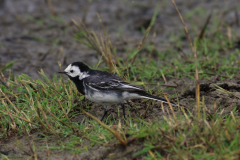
x: 71, y: 71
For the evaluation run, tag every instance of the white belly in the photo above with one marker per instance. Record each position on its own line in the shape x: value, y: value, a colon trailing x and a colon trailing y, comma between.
x: 105, y: 98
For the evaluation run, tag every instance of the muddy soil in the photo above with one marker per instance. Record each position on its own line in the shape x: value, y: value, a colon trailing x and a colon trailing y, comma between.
x: 34, y: 39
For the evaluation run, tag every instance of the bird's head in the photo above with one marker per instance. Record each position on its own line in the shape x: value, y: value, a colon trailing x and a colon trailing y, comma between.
x: 76, y: 69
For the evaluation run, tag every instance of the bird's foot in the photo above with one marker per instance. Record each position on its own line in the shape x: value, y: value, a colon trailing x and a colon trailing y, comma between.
x: 105, y: 112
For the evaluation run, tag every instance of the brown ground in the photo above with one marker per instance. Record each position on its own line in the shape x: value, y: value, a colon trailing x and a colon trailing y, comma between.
x: 33, y: 40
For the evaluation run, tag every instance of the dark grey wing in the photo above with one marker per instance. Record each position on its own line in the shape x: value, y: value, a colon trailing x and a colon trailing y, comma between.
x: 115, y: 84
x: 100, y: 80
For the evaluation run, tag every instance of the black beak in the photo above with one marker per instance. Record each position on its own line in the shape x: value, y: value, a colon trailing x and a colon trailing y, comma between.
x: 62, y: 72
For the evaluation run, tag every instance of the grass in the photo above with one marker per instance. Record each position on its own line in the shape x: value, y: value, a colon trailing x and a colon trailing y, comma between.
x: 49, y: 106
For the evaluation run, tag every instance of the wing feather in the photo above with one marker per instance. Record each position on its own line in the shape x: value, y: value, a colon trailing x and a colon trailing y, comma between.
x: 115, y: 84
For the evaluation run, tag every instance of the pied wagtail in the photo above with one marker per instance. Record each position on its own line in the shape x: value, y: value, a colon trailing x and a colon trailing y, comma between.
x: 105, y: 88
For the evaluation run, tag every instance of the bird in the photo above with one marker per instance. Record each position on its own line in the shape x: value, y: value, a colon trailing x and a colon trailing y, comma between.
x: 105, y: 88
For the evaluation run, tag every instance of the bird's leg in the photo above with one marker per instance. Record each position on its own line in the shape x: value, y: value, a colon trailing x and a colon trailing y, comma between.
x: 123, y: 108
x: 105, y: 112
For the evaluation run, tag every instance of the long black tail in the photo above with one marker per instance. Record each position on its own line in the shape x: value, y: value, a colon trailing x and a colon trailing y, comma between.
x: 148, y: 96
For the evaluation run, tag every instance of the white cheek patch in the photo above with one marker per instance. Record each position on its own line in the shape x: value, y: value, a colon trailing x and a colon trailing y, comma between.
x: 75, y: 71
